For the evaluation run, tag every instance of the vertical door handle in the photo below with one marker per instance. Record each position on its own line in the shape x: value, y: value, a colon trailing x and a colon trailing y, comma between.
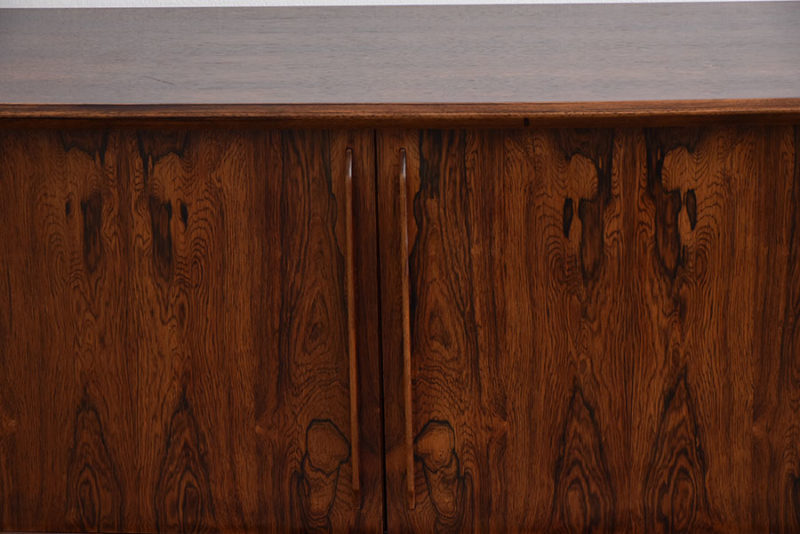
x: 351, y: 328
x: 406, y: 304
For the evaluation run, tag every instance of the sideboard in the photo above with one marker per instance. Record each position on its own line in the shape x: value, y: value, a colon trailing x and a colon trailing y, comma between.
x: 527, y: 268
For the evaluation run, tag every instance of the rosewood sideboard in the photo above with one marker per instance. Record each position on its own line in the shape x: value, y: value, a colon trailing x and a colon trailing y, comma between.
x: 401, y: 269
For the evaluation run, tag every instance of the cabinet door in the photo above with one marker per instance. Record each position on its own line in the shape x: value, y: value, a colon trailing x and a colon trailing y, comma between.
x: 597, y: 331
x: 176, y: 331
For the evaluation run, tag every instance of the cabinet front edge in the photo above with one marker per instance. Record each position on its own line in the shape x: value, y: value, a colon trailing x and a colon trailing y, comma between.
x: 490, y: 115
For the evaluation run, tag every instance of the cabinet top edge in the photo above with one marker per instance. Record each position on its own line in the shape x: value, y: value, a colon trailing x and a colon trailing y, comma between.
x: 676, y: 112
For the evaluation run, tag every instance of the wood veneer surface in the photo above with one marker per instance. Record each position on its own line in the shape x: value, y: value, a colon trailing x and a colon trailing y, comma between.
x: 173, y: 337
x: 398, y: 55
x: 603, y: 329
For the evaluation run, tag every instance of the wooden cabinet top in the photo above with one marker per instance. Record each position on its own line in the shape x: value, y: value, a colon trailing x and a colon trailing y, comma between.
x: 501, y: 64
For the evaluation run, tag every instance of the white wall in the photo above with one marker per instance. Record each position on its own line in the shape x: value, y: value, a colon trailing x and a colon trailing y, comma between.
x: 195, y: 3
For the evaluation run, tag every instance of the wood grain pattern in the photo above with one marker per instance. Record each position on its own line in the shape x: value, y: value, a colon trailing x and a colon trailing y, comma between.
x: 501, y: 342
x: 314, y: 485
x: 708, y: 246
x: 67, y: 375
x: 174, y: 321
x: 602, y: 326
x: 417, y: 54
x: 776, y: 424
x: 675, y: 496
x: 94, y: 493
x: 584, y: 499
x: 182, y: 499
